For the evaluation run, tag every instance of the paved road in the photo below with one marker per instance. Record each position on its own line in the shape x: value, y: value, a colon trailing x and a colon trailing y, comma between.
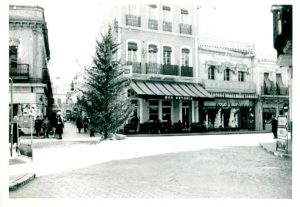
x: 229, y: 172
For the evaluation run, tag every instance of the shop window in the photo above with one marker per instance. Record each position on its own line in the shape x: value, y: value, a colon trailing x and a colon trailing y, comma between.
x: 241, y: 76
x: 211, y: 72
x: 226, y: 74
x: 153, y: 110
x: 166, y: 110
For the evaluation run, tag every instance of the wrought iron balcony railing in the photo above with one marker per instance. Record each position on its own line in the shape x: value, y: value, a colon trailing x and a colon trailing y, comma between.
x: 167, y: 26
x: 136, y: 67
x: 187, y: 71
x: 132, y: 20
x: 275, y: 91
x: 153, y: 68
x: 185, y: 29
x: 19, y: 71
x: 170, y: 70
x: 153, y: 24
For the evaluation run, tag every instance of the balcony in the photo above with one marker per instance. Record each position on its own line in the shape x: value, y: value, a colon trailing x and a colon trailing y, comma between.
x: 20, y: 71
x: 186, y: 71
x: 185, y: 29
x: 170, y: 70
x: 167, y: 26
x: 229, y: 86
x: 278, y: 91
x: 153, y: 24
x: 136, y: 67
x: 154, y: 68
x: 132, y: 20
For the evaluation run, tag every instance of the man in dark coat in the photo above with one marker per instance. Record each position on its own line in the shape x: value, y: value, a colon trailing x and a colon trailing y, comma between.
x: 59, y: 127
x: 79, y: 123
x: 274, y: 127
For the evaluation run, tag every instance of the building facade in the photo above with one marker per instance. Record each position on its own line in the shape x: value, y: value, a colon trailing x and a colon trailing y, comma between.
x: 226, y: 70
x: 29, y: 54
x: 273, y: 89
x: 159, y: 49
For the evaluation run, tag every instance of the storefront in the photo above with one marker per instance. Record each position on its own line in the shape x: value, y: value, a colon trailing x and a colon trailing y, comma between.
x: 168, y: 103
x: 229, y: 114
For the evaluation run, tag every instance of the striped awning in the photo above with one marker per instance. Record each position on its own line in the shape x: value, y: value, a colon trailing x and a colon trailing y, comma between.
x: 169, y: 90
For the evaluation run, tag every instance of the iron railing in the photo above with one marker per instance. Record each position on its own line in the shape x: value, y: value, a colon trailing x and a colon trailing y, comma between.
x: 132, y: 20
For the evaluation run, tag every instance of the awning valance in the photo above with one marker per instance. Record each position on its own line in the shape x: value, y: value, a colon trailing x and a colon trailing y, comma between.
x: 184, y: 11
x: 170, y: 90
x: 167, y: 49
x: 152, y: 48
x: 185, y: 50
x: 166, y: 8
x: 132, y: 46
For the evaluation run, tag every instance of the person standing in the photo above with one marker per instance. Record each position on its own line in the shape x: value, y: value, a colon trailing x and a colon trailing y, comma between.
x: 85, y: 123
x: 79, y: 123
x: 59, y: 127
x: 37, y: 126
x: 46, y: 127
x: 274, y: 126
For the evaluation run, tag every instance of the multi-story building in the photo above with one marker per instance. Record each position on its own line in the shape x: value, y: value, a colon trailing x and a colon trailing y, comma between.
x: 226, y: 69
x: 28, y: 56
x: 283, y: 43
x: 272, y: 88
x: 159, y: 47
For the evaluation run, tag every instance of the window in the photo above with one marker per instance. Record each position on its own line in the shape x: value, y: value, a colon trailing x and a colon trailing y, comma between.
x: 136, y: 106
x: 132, y: 52
x: 167, y: 55
x: 166, y: 110
x: 226, y: 74
x: 152, y: 51
x: 153, y: 110
x: 211, y: 72
x: 185, y: 57
x: 13, y: 56
x: 132, y: 9
x: 185, y: 16
x: 167, y: 14
x: 153, y: 11
x: 241, y: 75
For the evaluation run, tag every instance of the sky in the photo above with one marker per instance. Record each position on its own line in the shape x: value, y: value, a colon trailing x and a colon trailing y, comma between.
x: 74, y: 26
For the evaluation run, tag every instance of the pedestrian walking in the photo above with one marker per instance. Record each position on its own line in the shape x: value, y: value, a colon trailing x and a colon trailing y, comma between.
x: 274, y: 126
x: 46, y: 127
x: 85, y: 123
x: 37, y: 126
x: 79, y: 123
x: 15, y: 132
x: 59, y: 127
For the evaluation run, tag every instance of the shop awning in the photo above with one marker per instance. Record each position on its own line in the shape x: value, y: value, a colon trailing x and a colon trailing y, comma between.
x: 162, y: 89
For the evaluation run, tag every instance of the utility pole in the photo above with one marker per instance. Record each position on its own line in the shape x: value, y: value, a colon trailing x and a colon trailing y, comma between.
x: 11, y: 116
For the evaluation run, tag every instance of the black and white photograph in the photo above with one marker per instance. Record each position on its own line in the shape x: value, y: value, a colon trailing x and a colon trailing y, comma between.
x: 161, y: 100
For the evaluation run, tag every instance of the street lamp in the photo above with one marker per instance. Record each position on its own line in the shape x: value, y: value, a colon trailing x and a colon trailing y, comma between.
x: 11, y: 115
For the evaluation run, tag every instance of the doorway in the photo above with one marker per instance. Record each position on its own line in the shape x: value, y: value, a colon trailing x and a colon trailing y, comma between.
x: 186, y: 114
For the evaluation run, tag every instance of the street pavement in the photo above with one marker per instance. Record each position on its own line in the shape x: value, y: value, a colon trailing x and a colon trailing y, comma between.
x: 151, y: 167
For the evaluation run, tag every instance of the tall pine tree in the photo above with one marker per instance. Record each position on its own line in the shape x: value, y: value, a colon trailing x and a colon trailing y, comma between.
x: 104, y: 99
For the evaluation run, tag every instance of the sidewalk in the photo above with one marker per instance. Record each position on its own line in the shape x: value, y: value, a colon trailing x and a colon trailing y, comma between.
x: 271, y: 148
x: 21, y: 168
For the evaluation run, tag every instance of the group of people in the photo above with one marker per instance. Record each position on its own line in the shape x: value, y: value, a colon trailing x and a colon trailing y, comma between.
x: 48, y: 127
x: 84, y: 123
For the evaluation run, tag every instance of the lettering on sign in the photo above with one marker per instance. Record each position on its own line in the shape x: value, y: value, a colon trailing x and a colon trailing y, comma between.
x: 179, y: 97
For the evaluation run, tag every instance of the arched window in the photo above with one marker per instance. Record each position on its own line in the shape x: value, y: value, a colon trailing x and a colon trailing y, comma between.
x: 132, y: 52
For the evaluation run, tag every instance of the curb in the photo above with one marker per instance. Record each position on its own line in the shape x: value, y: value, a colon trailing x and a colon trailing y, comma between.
x: 276, y: 153
x: 21, y: 181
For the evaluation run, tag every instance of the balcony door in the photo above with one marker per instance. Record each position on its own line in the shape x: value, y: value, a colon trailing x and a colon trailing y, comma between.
x: 167, y: 54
